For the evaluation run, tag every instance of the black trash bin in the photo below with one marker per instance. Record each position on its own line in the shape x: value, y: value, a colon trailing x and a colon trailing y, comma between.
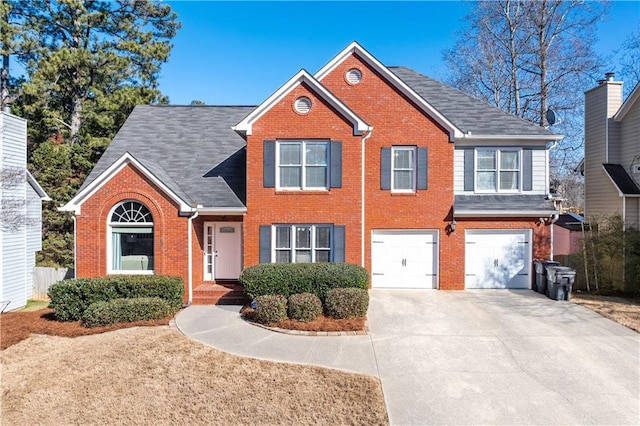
x: 559, y: 282
x: 541, y: 275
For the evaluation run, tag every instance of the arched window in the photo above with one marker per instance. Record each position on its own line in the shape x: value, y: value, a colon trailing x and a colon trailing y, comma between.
x: 131, y: 240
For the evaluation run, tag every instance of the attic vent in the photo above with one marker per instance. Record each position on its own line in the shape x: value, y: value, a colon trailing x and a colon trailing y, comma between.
x: 354, y: 76
x: 303, y: 105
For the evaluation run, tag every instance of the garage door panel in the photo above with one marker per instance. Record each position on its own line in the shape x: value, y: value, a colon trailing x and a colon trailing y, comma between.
x: 497, y: 259
x: 404, y: 258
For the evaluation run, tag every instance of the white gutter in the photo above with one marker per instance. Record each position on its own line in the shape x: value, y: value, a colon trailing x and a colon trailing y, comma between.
x: 75, y: 266
x: 519, y: 138
x: 362, y: 194
x: 190, y: 256
x: 221, y: 210
x: 505, y: 213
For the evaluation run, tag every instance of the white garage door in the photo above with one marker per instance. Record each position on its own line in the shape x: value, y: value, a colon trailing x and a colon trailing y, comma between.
x: 498, y: 258
x: 404, y: 258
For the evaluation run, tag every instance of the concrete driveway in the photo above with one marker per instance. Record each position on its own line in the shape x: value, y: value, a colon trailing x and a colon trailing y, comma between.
x: 466, y: 357
x: 501, y: 357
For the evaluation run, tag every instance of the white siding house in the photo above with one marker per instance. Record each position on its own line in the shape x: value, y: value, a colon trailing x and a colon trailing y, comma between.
x: 20, y: 215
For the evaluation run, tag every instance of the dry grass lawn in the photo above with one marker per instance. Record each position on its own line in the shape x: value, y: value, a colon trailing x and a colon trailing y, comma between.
x: 625, y: 311
x: 155, y: 375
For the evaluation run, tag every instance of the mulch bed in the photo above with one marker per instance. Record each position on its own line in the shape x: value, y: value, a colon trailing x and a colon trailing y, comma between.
x: 17, y: 326
x: 322, y: 323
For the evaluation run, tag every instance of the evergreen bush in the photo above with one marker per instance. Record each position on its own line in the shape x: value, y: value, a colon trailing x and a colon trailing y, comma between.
x: 342, y: 303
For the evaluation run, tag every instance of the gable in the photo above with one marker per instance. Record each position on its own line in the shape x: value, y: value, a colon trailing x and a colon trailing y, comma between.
x: 302, y: 78
x: 464, y: 117
x: 75, y: 204
x: 354, y: 49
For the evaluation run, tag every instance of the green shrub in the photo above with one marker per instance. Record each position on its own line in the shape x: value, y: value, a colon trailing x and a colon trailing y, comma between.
x: 271, y: 308
x: 304, y: 307
x: 295, y: 278
x: 344, y: 303
x: 70, y: 298
x: 126, y: 310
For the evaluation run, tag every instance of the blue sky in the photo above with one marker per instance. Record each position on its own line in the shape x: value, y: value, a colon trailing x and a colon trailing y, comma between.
x: 238, y: 53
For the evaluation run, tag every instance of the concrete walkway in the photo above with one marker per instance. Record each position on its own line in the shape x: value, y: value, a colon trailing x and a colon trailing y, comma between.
x: 472, y: 357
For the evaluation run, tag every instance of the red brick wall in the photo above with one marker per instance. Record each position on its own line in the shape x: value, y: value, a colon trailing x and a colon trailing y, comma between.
x: 170, y: 230
x: 340, y: 206
x: 396, y: 121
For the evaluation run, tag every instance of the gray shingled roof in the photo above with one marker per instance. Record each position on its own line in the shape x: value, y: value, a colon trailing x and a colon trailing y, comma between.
x: 466, y: 113
x: 191, y: 149
x: 510, y: 202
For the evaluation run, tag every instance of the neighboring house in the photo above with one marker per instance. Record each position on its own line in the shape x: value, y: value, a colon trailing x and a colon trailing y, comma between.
x: 567, y: 234
x: 611, y: 165
x: 361, y: 163
x: 20, y: 215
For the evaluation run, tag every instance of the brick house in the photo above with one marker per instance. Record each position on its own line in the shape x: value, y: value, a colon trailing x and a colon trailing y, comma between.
x: 361, y: 163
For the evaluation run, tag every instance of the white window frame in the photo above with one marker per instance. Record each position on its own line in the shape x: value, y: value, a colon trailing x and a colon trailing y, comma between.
x: 208, y: 258
x: 110, y: 226
x: 292, y: 241
x: 413, y: 169
x: 303, y: 165
x: 498, y: 152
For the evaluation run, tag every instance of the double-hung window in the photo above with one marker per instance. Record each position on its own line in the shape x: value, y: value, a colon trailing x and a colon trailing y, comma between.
x: 303, y: 164
x: 403, y: 169
x: 497, y: 170
x: 302, y: 243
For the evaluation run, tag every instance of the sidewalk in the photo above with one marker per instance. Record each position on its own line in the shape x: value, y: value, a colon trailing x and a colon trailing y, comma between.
x: 221, y: 327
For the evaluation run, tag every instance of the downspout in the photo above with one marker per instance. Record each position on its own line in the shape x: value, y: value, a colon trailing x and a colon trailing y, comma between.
x: 554, y: 219
x: 190, y: 256
x: 75, y: 249
x: 362, y: 192
x: 546, y: 164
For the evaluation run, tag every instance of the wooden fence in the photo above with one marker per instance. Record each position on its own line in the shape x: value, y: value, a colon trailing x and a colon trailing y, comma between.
x: 43, y: 278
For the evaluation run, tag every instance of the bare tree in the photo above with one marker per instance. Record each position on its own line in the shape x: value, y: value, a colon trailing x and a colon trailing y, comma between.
x: 526, y: 57
x: 630, y: 60
x: 13, y: 202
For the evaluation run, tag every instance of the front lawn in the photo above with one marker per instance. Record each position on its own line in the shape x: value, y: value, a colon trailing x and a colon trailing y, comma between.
x: 156, y: 375
x: 623, y: 310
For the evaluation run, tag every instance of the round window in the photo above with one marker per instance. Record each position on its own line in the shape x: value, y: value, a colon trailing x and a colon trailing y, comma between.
x: 303, y: 105
x: 354, y: 76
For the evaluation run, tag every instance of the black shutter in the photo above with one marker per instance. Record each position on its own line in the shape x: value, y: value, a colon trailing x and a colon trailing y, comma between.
x: 527, y: 170
x: 265, y: 244
x: 423, y: 167
x: 385, y: 168
x: 335, y: 172
x: 338, y: 243
x: 269, y: 164
x: 469, y: 169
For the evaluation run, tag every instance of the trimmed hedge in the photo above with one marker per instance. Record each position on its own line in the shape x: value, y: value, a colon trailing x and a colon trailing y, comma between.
x: 70, y: 298
x: 342, y: 303
x: 271, y: 308
x: 126, y: 310
x: 304, y: 307
x: 295, y: 278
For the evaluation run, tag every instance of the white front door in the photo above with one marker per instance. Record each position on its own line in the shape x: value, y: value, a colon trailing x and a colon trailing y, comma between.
x: 404, y: 258
x: 498, y: 258
x: 222, y: 250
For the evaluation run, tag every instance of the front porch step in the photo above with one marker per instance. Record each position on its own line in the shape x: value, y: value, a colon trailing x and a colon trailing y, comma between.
x: 221, y: 293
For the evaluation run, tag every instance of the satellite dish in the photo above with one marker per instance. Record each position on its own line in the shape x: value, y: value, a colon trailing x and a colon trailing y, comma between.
x: 552, y: 117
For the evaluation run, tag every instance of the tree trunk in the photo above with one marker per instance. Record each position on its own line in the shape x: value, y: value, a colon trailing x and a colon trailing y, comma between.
x: 76, y: 118
x: 4, y: 82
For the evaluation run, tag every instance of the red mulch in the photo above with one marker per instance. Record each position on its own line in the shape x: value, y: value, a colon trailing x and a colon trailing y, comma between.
x: 17, y: 326
x: 322, y: 323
